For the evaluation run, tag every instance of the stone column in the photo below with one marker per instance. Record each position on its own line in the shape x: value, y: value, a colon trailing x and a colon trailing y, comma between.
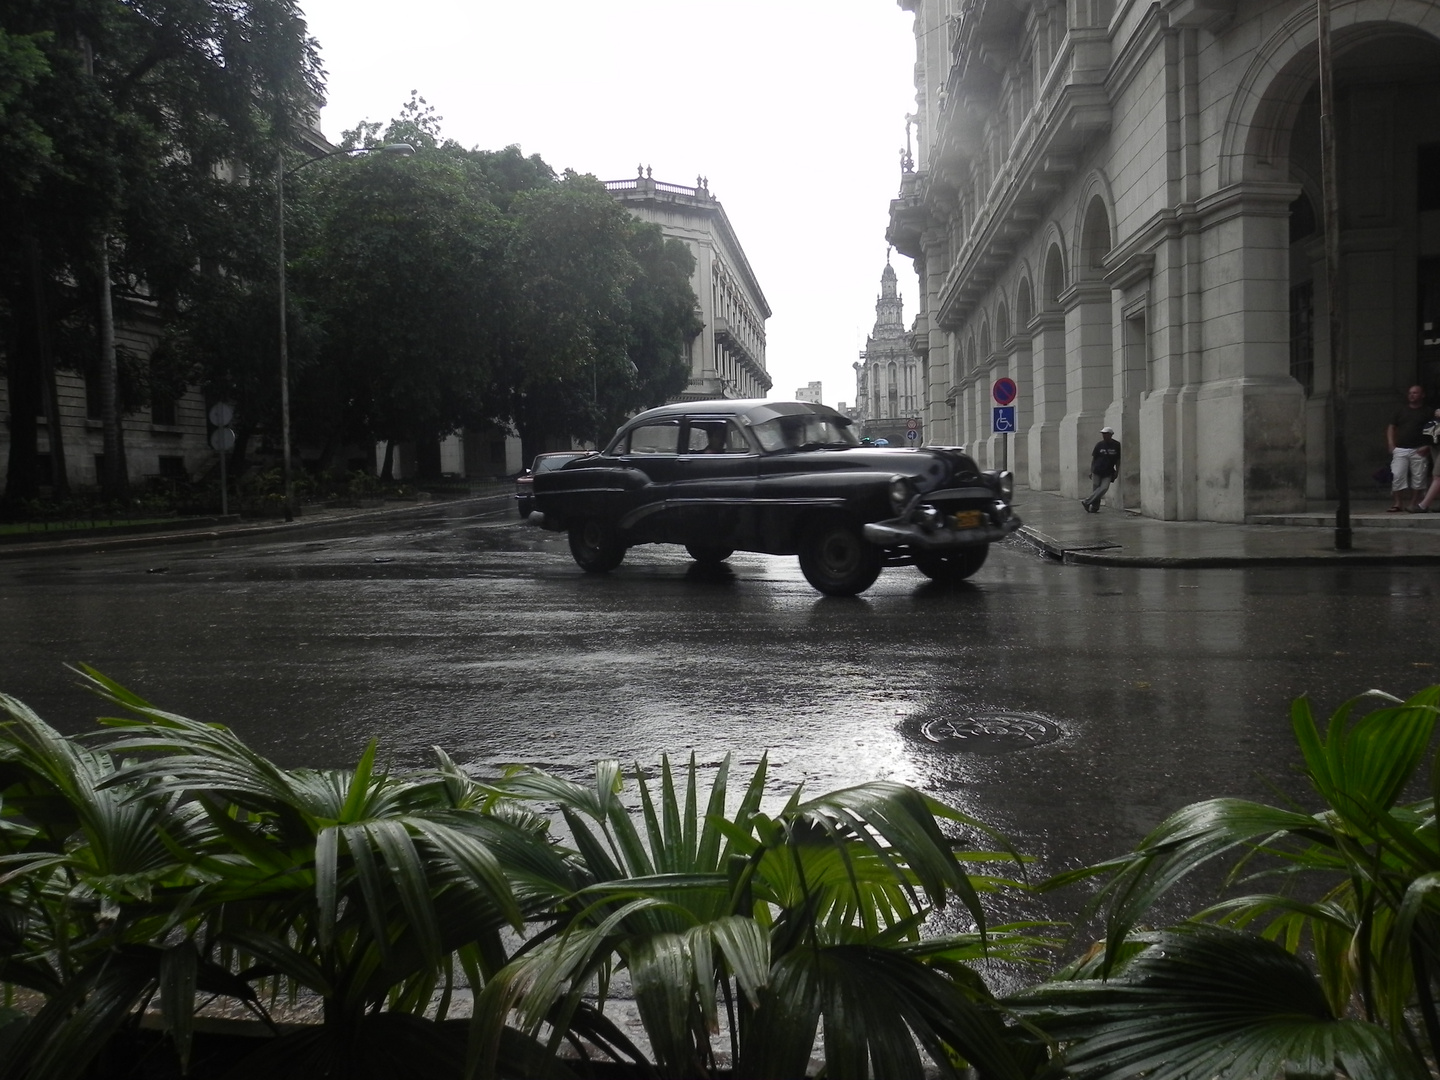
x: 1047, y: 349
x: 1089, y: 380
x: 1018, y: 365
x: 1250, y: 412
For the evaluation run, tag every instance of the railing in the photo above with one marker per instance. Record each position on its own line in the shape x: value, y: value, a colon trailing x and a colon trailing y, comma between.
x: 644, y: 184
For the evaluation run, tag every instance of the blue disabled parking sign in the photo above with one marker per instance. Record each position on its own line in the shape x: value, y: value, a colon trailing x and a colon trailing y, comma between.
x: 1004, y: 418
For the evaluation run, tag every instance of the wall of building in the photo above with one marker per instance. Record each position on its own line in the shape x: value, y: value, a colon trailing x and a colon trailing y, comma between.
x: 728, y: 358
x: 173, y: 446
x: 1117, y: 182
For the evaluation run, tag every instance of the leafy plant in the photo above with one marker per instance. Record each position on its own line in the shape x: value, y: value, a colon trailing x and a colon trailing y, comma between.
x: 171, y: 863
x: 1333, y: 970
x: 790, y: 922
x: 177, y: 861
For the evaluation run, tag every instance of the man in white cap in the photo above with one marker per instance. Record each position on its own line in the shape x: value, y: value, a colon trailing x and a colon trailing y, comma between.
x: 1104, y: 467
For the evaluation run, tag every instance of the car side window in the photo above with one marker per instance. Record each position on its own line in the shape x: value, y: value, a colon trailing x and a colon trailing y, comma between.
x: 716, y: 436
x: 655, y: 439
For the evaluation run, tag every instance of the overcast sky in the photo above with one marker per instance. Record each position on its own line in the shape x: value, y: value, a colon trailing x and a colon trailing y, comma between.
x: 794, y: 110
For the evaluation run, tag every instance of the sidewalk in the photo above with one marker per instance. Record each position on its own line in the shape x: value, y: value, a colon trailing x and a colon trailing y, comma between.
x: 483, y: 496
x: 1062, y: 529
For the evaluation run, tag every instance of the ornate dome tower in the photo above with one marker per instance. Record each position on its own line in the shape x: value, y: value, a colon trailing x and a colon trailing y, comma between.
x: 887, y: 377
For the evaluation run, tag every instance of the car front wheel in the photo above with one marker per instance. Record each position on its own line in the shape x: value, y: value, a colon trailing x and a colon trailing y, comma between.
x: 709, y: 554
x: 954, y: 566
x: 837, y: 559
x: 595, y: 545
x: 526, y: 506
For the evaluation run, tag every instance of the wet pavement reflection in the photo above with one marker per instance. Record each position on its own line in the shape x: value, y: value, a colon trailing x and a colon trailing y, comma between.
x: 472, y: 632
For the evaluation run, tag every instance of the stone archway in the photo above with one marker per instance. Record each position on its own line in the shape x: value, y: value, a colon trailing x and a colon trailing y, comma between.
x: 1089, y: 359
x: 1387, y: 83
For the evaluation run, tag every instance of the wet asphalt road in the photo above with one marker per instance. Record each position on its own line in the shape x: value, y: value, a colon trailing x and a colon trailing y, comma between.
x: 470, y: 631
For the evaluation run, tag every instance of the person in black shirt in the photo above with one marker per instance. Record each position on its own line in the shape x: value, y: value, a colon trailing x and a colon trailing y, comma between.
x: 1409, y: 450
x: 1104, y: 467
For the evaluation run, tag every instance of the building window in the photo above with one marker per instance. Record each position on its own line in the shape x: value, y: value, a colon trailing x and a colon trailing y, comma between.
x: 1302, y: 335
x: 162, y: 411
x: 94, y: 400
x: 1302, y: 218
x: 1427, y: 177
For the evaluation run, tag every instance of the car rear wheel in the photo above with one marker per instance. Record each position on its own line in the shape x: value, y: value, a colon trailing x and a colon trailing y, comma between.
x: 595, y: 545
x: 709, y: 553
x: 837, y: 559
x: 954, y: 566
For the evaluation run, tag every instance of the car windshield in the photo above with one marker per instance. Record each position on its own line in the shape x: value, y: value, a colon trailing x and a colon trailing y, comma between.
x: 545, y: 464
x: 804, y: 432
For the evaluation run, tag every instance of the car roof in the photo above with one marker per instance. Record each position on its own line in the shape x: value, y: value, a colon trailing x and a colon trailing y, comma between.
x: 752, y: 410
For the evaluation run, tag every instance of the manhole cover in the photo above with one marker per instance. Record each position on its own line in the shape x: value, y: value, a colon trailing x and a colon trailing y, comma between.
x: 990, y: 732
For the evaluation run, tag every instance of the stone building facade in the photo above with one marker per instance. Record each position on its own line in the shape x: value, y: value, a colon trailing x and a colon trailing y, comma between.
x: 164, y: 440
x: 889, y: 379
x: 1115, y: 203
x: 727, y: 360
x: 167, y: 440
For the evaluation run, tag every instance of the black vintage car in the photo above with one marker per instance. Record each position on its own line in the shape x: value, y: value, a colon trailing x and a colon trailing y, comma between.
x: 784, y: 477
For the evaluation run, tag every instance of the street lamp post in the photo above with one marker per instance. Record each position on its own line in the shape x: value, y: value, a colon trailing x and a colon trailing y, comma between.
x: 1330, y: 211
x: 399, y: 150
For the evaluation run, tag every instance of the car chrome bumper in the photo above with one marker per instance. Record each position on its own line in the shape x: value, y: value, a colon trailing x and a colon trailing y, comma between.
x: 903, y: 532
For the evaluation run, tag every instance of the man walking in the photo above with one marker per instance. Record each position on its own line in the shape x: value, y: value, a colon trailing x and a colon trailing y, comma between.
x: 1104, y: 467
x: 1409, y: 450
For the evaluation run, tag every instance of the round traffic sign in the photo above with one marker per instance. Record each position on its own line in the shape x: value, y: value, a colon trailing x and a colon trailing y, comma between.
x: 1004, y: 391
x: 222, y: 439
x: 221, y: 413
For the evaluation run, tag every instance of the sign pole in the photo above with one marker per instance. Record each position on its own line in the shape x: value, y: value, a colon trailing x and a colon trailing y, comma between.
x: 222, y: 439
x: 1004, y: 392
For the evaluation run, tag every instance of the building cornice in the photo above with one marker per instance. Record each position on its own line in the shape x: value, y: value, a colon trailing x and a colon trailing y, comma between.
x: 653, y: 194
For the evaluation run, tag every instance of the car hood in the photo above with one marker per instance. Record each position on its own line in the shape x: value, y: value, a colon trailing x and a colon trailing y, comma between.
x: 938, y: 465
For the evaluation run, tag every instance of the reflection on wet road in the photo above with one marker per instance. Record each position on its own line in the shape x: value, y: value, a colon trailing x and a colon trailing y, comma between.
x: 472, y: 632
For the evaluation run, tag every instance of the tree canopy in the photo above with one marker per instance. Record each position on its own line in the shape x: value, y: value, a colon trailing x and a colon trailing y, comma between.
x: 123, y: 124
x: 140, y: 144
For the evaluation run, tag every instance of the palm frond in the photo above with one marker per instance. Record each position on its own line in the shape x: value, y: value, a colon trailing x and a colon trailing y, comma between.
x: 1201, y: 1003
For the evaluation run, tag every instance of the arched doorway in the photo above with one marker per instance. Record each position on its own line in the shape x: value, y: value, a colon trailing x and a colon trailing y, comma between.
x: 1387, y: 118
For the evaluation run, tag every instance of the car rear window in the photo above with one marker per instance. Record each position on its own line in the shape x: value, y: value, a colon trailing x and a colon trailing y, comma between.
x: 655, y: 438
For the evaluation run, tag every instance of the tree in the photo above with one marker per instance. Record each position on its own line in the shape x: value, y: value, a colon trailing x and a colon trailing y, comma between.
x: 570, y: 273
x: 403, y: 270
x: 604, y: 318
x: 128, y: 121
x: 663, y: 321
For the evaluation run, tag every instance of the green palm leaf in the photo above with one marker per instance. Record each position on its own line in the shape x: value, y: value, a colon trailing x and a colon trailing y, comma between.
x: 1203, y: 1003
x: 878, y: 1008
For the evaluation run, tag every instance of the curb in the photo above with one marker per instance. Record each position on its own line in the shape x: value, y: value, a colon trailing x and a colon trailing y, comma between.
x: 238, y: 532
x: 1107, y: 553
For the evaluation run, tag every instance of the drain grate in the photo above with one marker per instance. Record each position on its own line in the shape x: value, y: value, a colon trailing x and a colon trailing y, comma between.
x: 990, y: 732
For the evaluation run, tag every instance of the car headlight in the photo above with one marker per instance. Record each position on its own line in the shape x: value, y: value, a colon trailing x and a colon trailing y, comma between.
x: 1004, y: 483
x: 901, y: 492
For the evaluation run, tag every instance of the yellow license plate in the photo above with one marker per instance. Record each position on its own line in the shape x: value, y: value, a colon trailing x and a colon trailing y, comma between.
x: 969, y: 519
